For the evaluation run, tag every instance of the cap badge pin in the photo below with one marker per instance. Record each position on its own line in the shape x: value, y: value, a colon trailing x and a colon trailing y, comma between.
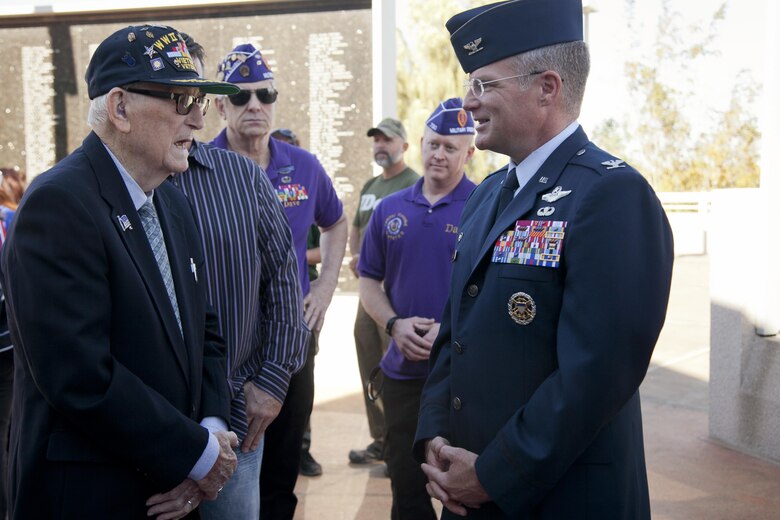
x: 128, y: 59
x: 244, y: 71
x: 614, y: 163
x: 131, y: 37
x: 545, y: 211
x: 473, y: 46
x: 149, y: 51
x: 150, y: 35
x: 557, y: 193
x: 522, y: 308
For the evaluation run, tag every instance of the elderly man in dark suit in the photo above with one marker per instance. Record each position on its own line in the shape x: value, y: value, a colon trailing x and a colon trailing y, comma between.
x: 559, y: 290
x: 120, y: 400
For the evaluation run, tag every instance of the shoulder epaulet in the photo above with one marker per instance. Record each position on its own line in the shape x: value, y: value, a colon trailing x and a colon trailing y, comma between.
x: 593, y: 157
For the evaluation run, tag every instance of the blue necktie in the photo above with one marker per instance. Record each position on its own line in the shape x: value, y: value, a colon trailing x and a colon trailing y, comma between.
x: 507, y: 191
x: 151, y: 225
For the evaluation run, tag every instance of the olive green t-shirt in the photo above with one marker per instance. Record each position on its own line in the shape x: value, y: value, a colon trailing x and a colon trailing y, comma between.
x: 374, y: 190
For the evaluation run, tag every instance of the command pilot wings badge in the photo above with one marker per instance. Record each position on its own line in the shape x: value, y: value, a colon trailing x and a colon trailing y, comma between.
x: 473, y: 46
x: 614, y: 163
x: 557, y: 193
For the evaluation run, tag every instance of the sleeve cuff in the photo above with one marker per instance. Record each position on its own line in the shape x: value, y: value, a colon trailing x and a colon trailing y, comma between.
x: 214, y: 424
x: 274, y: 380
x: 206, y: 460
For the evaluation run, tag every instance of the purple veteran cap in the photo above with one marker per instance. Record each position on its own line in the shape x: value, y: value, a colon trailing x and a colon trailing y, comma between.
x: 150, y: 54
x: 449, y: 118
x: 244, y: 64
x: 492, y: 32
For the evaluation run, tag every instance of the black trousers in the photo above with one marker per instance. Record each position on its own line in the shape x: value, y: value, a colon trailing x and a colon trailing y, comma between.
x: 402, y: 404
x: 282, y: 450
x: 6, y: 396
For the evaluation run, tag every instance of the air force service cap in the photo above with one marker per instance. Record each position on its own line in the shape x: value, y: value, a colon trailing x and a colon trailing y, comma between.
x: 492, y: 32
x: 450, y: 118
x: 149, y: 54
x: 390, y: 128
x: 244, y: 64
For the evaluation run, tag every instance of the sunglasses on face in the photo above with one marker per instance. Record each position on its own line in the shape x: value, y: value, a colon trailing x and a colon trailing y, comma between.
x: 264, y: 95
x: 184, y: 102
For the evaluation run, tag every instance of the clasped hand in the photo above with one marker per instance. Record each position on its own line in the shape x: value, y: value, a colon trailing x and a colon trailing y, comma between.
x: 414, y: 337
x: 452, y: 476
x: 185, y: 497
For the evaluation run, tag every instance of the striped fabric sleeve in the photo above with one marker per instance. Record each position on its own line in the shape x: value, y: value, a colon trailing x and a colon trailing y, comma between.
x: 282, y: 331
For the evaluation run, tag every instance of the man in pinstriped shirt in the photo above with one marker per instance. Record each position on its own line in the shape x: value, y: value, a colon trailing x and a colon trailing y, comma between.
x: 252, y: 281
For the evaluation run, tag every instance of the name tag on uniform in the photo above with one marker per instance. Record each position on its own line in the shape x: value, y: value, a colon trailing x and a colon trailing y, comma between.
x: 531, y: 242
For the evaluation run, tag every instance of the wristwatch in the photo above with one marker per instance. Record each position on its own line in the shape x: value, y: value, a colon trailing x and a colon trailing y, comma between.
x: 390, y: 323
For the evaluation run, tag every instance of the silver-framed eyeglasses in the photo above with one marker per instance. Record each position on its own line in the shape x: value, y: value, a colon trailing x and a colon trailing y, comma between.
x: 184, y: 102
x: 477, y: 86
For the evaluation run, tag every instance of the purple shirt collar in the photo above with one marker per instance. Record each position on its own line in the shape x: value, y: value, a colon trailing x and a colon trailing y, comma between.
x: 461, y: 192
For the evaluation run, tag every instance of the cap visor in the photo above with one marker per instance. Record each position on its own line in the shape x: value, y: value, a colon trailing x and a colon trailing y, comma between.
x: 205, y: 85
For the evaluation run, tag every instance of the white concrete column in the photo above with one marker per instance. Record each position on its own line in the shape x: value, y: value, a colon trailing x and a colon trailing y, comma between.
x: 768, y: 309
x: 383, y: 58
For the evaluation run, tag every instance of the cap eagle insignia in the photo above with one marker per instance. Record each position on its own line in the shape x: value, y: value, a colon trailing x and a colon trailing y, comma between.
x: 473, y: 46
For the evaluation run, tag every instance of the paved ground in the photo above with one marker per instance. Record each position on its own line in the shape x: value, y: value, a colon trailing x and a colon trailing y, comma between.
x: 691, y: 477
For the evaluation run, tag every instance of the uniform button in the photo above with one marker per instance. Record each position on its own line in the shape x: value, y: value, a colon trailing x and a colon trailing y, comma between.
x: 473, y: 290
x: 458, y: 347
x: 430, y: 210
x: 456, y: 404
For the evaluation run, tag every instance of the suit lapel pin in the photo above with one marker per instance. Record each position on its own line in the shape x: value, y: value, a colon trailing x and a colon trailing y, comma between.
x: 557, y: 193
x: 124, y: 222
x: 194, y: 269
x: 545, y: 211
x: 543, y: 180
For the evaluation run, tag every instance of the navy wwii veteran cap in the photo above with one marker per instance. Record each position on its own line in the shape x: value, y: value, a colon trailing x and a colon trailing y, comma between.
x: 450, y: 118
x: 490, y: 33
x: 150, y: 54
x: 244, y: 64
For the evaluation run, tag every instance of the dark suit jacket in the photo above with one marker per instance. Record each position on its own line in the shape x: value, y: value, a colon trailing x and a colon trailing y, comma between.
x: 552, y: 407
x: 107, y: 392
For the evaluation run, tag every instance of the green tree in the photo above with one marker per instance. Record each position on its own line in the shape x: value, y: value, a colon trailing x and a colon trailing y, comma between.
x: 429, y: 73
x: 660, y: 139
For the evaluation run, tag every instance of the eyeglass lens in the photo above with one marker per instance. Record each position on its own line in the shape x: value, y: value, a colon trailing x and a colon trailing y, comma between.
x: 264, y: 95
x: 184, y: 102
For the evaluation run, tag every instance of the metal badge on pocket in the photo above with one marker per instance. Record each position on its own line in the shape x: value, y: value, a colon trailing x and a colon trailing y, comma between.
x: 522, y: 308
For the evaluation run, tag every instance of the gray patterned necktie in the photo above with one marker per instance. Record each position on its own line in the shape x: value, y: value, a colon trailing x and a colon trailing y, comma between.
x: 151, y: 225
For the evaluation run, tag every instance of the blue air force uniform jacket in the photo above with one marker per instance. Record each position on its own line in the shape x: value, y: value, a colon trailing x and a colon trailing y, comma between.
x: 547, y: 336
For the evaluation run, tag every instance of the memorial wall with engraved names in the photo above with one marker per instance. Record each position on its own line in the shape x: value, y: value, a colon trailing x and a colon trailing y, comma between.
x: 321, y: 62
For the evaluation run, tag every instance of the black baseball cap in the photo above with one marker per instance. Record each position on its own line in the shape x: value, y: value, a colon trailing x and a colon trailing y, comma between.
x: 149, y: 54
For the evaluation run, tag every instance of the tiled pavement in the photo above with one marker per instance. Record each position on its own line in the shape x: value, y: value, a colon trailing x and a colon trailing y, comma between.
x: 691, y: 477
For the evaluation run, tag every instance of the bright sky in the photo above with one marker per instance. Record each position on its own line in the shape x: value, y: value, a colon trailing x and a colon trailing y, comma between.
x: 739, y: 45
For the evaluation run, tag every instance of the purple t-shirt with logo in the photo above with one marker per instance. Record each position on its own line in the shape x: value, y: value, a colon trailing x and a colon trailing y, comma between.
x: 409, y: 245
x: 305, y: 191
